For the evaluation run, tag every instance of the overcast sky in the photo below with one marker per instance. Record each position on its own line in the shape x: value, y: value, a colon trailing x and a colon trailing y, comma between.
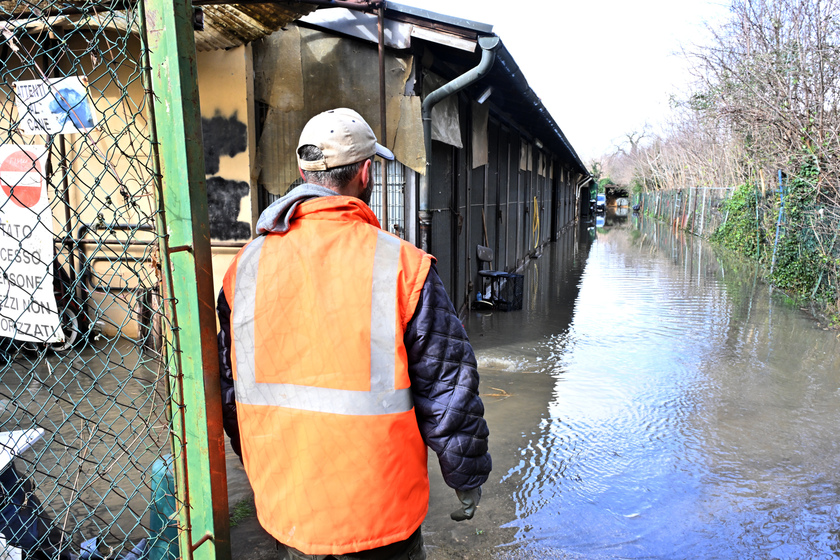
x: 602, y: 67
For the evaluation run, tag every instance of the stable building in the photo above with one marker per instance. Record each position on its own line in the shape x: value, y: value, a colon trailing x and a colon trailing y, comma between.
x: 480, y: 161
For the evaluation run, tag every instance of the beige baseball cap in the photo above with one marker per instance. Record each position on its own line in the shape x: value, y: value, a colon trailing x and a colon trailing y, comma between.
x: 343, y: 136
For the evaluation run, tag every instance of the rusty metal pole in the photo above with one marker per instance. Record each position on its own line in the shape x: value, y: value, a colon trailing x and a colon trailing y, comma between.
x: 382, y: 115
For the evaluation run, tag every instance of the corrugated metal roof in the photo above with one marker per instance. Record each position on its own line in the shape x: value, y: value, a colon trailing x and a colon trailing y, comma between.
x: 231, y: 25
x: 225, y: 25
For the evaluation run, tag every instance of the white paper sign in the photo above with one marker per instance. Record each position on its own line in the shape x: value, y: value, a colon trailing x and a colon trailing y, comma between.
x: 28, y: 309
x: 7, y: 551
x: 14, y: 443
x: 54, y: 106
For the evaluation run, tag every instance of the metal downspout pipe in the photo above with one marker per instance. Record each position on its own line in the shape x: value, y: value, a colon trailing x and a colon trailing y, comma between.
x: 488, y: 56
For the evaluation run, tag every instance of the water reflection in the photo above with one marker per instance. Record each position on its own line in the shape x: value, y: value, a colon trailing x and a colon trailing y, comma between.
x: 653, y: 400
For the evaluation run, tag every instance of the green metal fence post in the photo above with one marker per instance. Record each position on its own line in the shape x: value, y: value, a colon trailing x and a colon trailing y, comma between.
x: 202, y: 483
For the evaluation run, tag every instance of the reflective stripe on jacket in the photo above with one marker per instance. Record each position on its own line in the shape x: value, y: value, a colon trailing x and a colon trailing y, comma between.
x: 329, y: 436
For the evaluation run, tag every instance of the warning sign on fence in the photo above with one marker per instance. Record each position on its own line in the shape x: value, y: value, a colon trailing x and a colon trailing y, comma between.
x: 28, y: 308
x: 54, y: 106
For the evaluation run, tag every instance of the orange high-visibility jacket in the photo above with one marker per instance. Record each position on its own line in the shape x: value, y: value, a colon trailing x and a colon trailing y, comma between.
x: 329, y: 437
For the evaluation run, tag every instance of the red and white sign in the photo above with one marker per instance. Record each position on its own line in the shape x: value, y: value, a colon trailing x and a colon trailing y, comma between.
x: 22, y: 172
x: 28, y: 309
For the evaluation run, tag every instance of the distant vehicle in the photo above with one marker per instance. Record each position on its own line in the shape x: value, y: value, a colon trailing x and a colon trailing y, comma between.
x: 601, y: 203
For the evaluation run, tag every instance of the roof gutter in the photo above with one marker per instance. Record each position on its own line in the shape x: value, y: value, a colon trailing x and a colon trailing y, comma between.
x: 517, y: 77
x: 489, y: 45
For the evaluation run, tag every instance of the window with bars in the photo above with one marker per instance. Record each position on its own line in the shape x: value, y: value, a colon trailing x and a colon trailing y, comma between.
x: 396, y: 196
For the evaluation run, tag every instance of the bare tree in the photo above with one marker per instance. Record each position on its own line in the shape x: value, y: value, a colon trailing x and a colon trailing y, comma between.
x: 766, y: 98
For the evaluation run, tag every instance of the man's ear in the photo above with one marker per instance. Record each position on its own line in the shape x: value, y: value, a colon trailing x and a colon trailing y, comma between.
x: 302, y: 176
x: 365, y: 171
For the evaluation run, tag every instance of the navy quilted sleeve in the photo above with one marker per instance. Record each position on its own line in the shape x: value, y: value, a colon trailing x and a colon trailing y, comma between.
x: 229, y: 418
x: 444, y: 382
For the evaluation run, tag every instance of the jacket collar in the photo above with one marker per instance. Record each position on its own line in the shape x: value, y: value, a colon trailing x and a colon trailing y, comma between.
x: 278, y: 216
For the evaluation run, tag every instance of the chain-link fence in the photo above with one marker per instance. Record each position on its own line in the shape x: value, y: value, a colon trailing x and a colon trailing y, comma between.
x: 793, y: 231
x: 86, y: 449
x: 823, y: 239
x: 698, y: 210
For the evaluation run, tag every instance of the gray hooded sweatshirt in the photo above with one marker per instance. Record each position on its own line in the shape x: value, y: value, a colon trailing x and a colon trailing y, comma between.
x: 277, y: 217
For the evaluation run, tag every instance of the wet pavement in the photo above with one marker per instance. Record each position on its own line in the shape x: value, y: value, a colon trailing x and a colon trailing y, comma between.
x: 652, y: 399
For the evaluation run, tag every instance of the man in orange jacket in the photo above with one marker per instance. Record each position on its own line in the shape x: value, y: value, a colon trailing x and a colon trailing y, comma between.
x: 342, y: 360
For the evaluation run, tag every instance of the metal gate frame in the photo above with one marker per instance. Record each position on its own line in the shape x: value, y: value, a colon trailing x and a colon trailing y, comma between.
x: 186, y: 258
x: 189, y: 364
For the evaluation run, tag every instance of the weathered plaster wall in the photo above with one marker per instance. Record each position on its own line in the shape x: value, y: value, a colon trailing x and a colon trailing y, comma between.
x: 223, y: 85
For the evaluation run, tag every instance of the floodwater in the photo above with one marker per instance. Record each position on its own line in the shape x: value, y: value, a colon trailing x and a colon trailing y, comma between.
x: 103, y: 409
x: 653, y: 399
